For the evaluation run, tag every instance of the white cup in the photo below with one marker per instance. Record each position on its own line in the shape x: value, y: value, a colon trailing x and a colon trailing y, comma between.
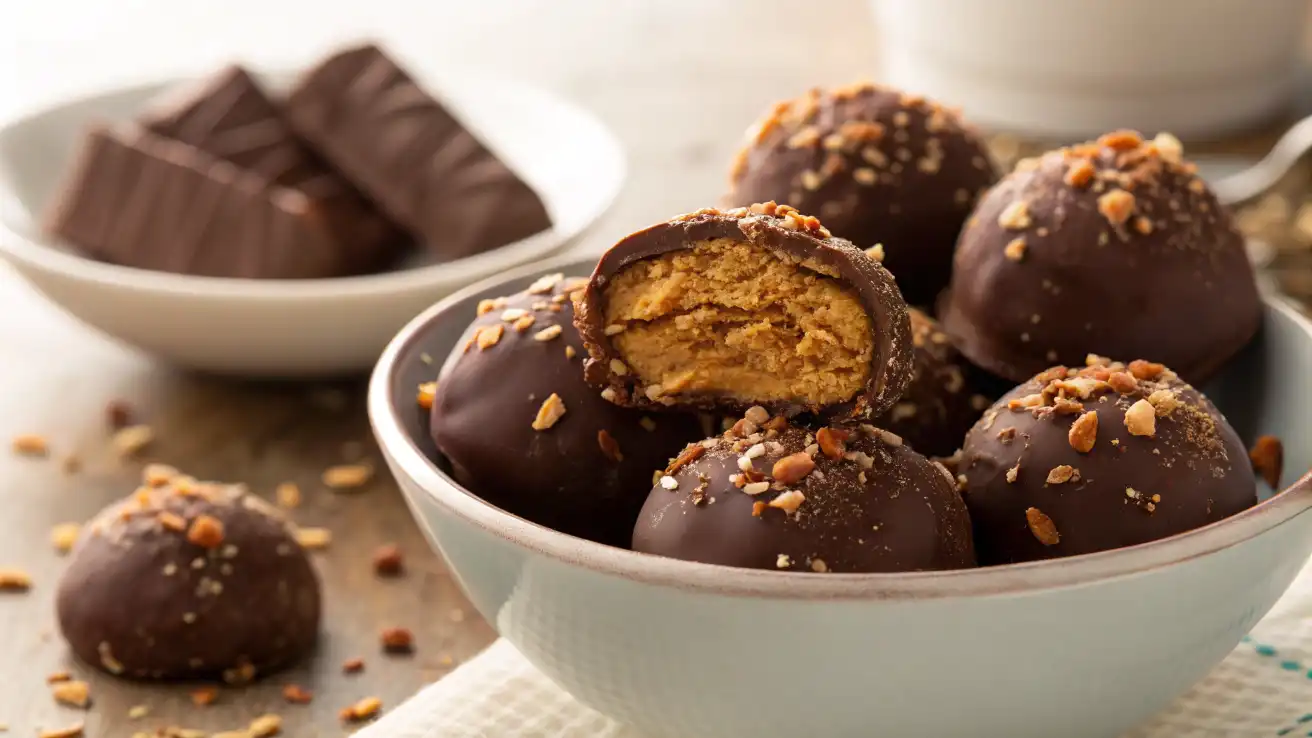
x: 1077, y: 68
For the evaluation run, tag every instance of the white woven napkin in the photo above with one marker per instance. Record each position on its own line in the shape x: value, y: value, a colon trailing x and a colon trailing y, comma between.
x: 1263, y: 689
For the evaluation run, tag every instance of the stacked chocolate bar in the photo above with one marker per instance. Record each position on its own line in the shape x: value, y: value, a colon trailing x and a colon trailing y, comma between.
x: 356, y: 165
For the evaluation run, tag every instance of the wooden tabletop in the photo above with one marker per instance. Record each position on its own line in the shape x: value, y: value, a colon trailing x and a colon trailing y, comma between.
x: 678, y: 81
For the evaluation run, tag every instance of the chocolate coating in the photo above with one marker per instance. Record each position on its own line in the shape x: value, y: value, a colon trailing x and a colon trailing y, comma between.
x: 420, y: 165
x: 877, y: 166
x: 1114, y: 247
x: 874, y: 506
x: 140, y: 200
x: 797, y: 239
x: 491, y: 393
x: 945, y: 396
x: 147, y: 596
x: 1127, y: 488
x: 229, y: 116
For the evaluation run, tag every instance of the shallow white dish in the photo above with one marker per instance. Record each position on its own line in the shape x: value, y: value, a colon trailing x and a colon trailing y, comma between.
x: 1083, y: 647
x: 294, y: 328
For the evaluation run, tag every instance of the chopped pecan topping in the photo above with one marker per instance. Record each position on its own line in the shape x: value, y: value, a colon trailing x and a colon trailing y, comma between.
x: 793, y: 468
x: 832, y: 442
x: 690, y: 454
x: 1063, y: 474
x: 1141, y: 419
x: 1146, y: 369
x: 1268, y: 457
x: 1116, y: 206
x: 1122, y: 382
x: 1042, y: 527
x: 610, y: 448
x: 206, y: 531
x: 1084, y: 432
x: 551, y: 411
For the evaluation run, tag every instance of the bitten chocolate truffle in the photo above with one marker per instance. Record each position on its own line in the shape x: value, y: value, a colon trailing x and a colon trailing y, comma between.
x: 523, y: 431
x: 1115, y: 247
x: 1110, y: 455
x: 366, y: 115
x: 187, y: 579
x: 749, y: 306
x: 769, y: 495
x: 945, y: 396
x: 878, y: 167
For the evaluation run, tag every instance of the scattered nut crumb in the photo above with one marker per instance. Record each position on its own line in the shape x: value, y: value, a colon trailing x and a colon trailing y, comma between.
x: 362, y: 710
x: 832, y: 442
x: 30, y: 444
x: 1141, y: 419
x: 133, y: 439
x: 548, y: 333
x: 1016, y: 216
x: 1123, y: 382
x: 264, y: 726
x: 288, y: 495
x: 206, y: 531
x: 1062, y: 474
x: 204, y: 696
x: 1268, y: 457
x: 1015, y: 249
x: 425, y: 395
x: 136, y: 712
x: 397, y: 640
x: 783, y: 561
x: 353, y: 666
x: 1116, y: 206
x: 388, y: 561
x: 793, y: 468
x: 347, y: 476
x: 488, y: 336
x: 64, y: 536
x: 1042, y: 527
x: 788, y: 501
x: 314, y: 539
x: 71, y: 693
x: 58, y: 676
x: 1164, y: 402
x: 1084, y: 432
x: 296, y: 694
x: 72, y: 731
x: 552, y: 410
x: 819, y: 566
x: 1144, y: 370
x: 14, y: 580
x: 610, y: 448
x: 1012, y: 473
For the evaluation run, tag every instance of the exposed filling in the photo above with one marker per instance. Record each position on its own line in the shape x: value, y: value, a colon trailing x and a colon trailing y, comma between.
x: 731, y: 319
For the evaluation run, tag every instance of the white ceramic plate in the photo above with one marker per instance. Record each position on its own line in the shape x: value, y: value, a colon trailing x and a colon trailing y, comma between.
x: 294, y: 328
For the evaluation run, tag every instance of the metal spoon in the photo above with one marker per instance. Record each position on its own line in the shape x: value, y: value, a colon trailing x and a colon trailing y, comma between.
x: 1237, y: 180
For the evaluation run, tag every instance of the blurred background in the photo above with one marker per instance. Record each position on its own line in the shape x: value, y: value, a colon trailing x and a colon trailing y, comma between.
x: 679, y: 80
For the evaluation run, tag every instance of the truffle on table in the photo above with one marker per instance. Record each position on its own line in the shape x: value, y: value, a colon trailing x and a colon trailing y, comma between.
x: 1116, y: 247
x: 187, y: 579
x: 771, y: 495
x: 878, y: 166
x: 521, y: 429
x: 945, y: 396
x: 1106, y: 456
x: 365, y: 114
x: 229, y: 116
x: 137, y: 199
x: 743, y: 307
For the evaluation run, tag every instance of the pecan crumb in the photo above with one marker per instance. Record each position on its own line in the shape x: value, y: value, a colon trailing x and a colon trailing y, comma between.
x: 425, y: 395
x: 1013, y: 473
x: 1080, y: 173
x: 204, y: 696
x: 1016, y: 216
x: 71, y: 693
x: 689, y: 455
x: 488, y: 336
x: 206, y: 531
x: 1116, y: 206
x: 1062, y: 474
x: 1042, y: 527
x: 388, y: 561
x: 793, y: 468
x: 548, y: 333
x: 1144, y: 370
x: 313, y: 539
x: 1015, y: 249
x: 552, y: 410
x: 133, y: 439
x: 610, y: 448
x: 1084, y: 432
x: 397, y: 640
x: 296, y: 694
x: 352, y: 666
x: 263, y: 726
x: 1268, y: 457
x: 788, y: 501
x: 30, y: 444
x: 758, y: 509
x: 1123, y: 382
x: 362, y: 710
x: 347, y: 476
x: 73, y: 731
x: 288, y: 495
x: 64, y: 536
x: 1141, y: 419
x: 832, y: 442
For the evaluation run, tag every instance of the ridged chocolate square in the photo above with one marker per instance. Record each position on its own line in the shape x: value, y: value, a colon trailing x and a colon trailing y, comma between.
x: 412, y: 157
x: 141, y: 200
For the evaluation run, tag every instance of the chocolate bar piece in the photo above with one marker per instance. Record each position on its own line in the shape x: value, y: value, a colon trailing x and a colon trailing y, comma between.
x: 140, y: 200
x: 409, y: 155
x: 229, y: 116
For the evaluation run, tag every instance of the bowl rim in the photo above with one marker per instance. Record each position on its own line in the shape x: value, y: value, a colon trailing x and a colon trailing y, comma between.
x: 34, y: 253
x: 415, y: 469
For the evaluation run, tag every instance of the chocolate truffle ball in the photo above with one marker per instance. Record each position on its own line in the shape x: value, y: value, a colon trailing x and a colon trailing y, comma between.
x: 751, y: 306
x: 945, y: 396
x: 523, y: 431
x: 769, y: 495
x: 878, y: 167
x: 188, y: 579
x: 1074, y: 462
x: 1115, y: 247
